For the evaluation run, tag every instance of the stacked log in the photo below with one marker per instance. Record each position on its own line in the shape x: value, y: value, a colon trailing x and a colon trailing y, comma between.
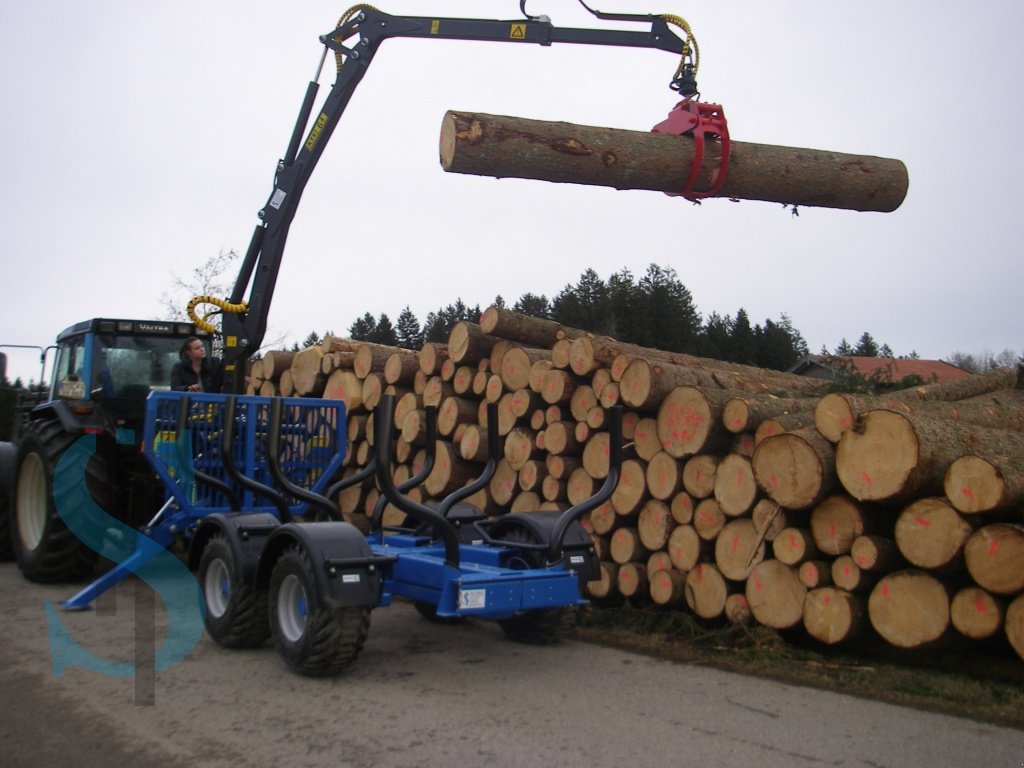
x: 739, y: 499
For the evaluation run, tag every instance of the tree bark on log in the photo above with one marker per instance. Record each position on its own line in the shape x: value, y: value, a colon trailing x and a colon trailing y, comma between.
x: 837, y: 412
x: 468, y: 343
x: 890, y: 456
x: 984, y: 483
x: 909, y: 608
x: 744, y: 414
x: 275, y: 362
x: 500, y: 146
x: 526, y: 329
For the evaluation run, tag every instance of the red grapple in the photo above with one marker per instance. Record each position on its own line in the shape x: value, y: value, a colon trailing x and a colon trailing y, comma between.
x: 702, y: 120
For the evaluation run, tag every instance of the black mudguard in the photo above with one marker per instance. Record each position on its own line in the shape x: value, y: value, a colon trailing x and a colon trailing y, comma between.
x: 247, y: 534
x: 578, y: 552
x: 344, y: 566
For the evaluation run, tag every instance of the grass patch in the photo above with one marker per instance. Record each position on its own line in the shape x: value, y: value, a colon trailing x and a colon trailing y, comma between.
x: 978, y: 681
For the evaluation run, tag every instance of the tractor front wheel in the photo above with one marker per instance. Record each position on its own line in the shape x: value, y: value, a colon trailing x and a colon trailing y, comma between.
x: 314, y: 636
x: 46, y: 549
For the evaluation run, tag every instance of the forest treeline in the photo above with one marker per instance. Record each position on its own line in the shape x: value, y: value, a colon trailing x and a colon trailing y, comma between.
x: 656, y: 311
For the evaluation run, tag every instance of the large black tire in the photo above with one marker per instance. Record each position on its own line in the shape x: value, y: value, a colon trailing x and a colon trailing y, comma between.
x: 314, y: 636
x: 46, y: 550
x: 236, y: 613
x: 540, y: 626
x: 7, y: 456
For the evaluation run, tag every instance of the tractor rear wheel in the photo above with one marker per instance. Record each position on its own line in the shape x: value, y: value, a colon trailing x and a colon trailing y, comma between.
x: 7, y: 456
x: 46, y: 549
x: 541, y: 625
x: 236, y: 613
x: 314, y: 636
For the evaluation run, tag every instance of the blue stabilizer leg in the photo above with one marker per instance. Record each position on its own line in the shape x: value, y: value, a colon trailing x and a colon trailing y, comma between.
x: 145, y: 550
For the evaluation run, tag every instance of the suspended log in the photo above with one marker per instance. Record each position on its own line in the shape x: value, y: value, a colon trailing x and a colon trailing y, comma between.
x: 931, y: 534
x: 909, y: 608
x: 500, y: 146
x: 797, y: 469
x: 837, y: 412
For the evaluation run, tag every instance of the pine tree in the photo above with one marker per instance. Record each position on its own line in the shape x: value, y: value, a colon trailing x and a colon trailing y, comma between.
x: 533, y: 305
x: 410, y: 336
x: 363, y: 328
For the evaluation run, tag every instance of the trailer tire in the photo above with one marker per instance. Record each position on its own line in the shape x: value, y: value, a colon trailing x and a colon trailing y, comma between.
x: 46, y: 549
x: 540, y: 626
x: 7, y: 456
x: 236, y: 613
x: 314, y: 635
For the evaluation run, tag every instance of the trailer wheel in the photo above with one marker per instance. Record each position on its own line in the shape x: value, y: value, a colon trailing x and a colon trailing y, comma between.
x: 540, y: 626
x: 46, y: 549
x: 236, y: 613
x: 314, y: 636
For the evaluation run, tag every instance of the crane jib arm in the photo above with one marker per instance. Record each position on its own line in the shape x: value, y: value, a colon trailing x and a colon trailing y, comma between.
x: 354, y: 44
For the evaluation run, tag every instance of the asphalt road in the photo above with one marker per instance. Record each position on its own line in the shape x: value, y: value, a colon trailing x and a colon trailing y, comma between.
x: 423, y: 694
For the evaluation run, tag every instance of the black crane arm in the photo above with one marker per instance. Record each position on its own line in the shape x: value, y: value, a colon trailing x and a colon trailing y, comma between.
x: 355, y: 43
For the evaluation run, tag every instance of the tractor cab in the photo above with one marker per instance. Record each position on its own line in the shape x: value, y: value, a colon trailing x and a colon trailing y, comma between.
x: 117, y: 363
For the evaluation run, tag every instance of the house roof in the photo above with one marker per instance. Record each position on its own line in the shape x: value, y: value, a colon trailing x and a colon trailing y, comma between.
x: 885, y: 368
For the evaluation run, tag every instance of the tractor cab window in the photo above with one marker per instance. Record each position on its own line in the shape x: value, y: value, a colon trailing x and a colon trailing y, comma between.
x: 131, y: 366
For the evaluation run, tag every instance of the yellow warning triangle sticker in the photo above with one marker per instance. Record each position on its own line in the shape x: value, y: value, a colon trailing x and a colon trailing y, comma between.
x: 518, y: 32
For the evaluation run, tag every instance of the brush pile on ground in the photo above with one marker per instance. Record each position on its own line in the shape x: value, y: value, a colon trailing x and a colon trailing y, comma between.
x: 745, y: 495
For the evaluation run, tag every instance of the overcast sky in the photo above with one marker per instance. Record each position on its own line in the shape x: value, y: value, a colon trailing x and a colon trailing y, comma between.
x: 141, y: 139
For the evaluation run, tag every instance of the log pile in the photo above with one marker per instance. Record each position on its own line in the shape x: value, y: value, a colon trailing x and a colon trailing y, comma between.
x: 745, y: 495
